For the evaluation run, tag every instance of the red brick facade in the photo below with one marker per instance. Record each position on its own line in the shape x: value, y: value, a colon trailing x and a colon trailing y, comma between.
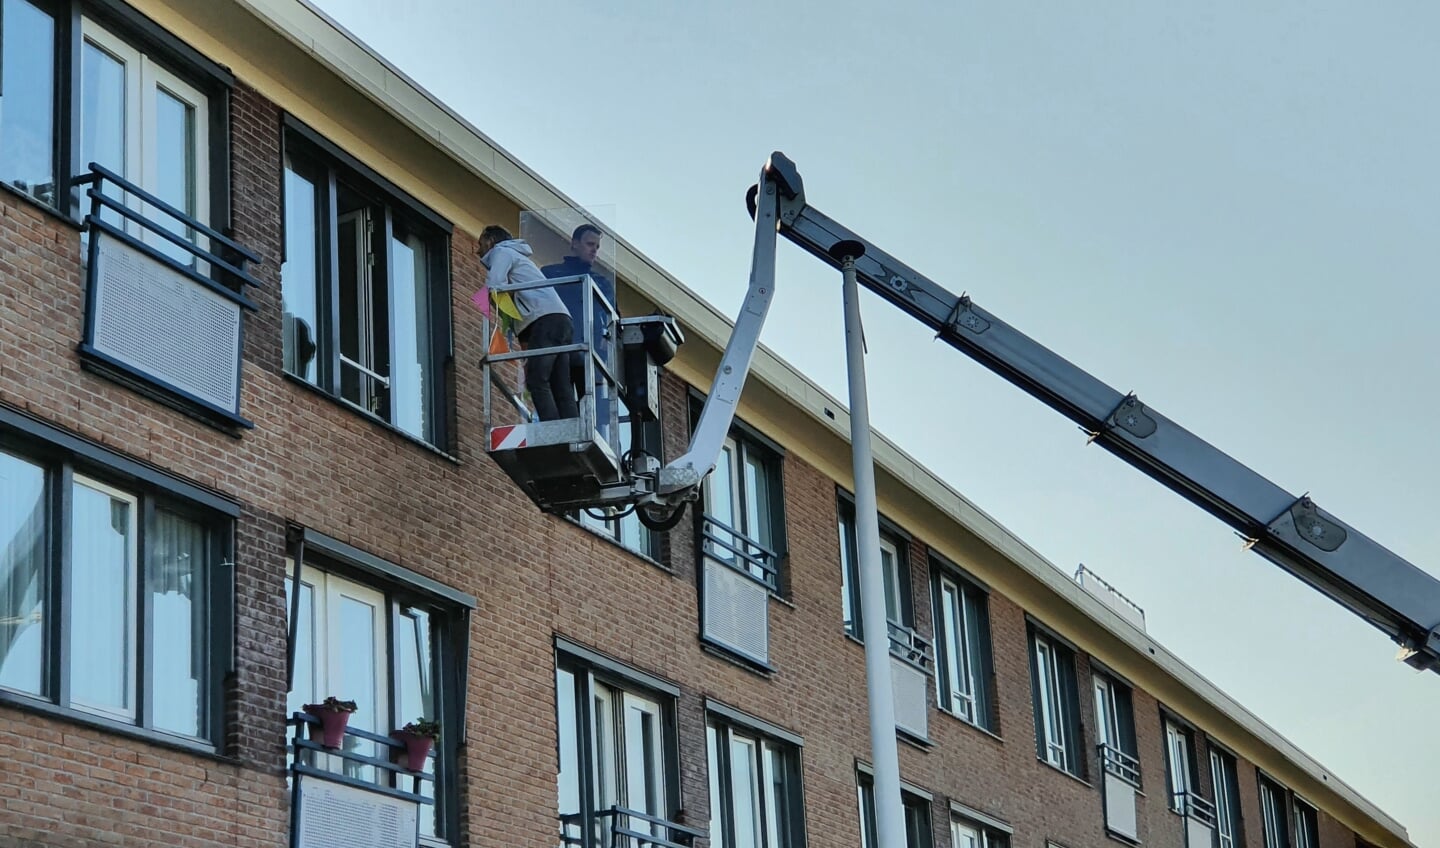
x: 311, y: 462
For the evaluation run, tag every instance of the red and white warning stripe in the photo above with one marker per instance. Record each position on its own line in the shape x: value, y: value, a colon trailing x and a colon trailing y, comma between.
x: 509, y: 437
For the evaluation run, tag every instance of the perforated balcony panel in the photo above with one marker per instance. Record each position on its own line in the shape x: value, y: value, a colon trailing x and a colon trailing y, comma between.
x: 912, y: 713
x: 1120, y: 811
x: 736, y: 612
x: 156, y: 320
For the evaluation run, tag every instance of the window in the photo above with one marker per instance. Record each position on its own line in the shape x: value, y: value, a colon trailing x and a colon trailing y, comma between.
x: 1227, y: 798
x: 1179, y: 759
x: 148, y: 116
x: 1272, y: 813
x: 755, y: 798
x: 623, y: 732
x: 365, y: 289
x: 1307, y: 834
x: 1115, y: 729
x: 894, y: 564
x: 967, y: 833
x: 964, y: 682
x: 744, y: 509
x: 141, y: 638
x: 1057, y: 715
x: 393, y: 649
x: 916, y: 810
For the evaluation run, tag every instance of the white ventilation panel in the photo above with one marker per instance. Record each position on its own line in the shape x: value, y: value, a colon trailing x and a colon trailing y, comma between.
x: 736, y: 611
x: 911, y: 686
x: 1120, y: 817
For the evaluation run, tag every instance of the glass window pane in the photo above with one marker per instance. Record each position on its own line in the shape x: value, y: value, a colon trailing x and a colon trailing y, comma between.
x: 568, y: 779
x: 101, y: 623
x: 27, y: 109
x: 849, y: 577
x: 745, y: 792
x: 303, y: 688
x: 357, y: 661
x: 22, y: 571
x: 411, y: 372
x: 298, y: 280
x: 717, y: 817
x: 177, y: 577
x: 175, y: 170
x: 415, y: 690
x: 102, y: 115
x: 890, y: 566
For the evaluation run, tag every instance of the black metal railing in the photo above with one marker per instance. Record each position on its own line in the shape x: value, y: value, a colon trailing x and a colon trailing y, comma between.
x: 387, y: 776
x: 1122, y: 765
x: 909, y: 646
x: 1192, y: 806
x: 725, y: 544
x: 620, y: 827
x: 232, y: 263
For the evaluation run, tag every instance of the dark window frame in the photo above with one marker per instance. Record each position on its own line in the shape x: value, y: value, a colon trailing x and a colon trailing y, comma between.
x: 1228, y: 760
x: 584, y: 664
x: 1189, y: 734
x: 850, y: 565
x: 332, y: 171
x: 1065, y: 656
x: 449, y: 610
x: 1281, y: 794
x: 1123, y: 705
x: 916, y: 804
x: 720, y: 717
x: 62, y: 457
x: 976, y: 595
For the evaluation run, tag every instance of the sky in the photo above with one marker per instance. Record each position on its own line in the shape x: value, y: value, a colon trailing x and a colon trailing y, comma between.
x: 1229, y: 208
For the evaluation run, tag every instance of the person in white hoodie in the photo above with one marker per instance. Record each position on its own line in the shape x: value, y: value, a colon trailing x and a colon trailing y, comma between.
x: 544, y: 322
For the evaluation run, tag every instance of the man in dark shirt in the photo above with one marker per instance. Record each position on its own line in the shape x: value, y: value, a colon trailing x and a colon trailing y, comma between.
x: 584, y: 247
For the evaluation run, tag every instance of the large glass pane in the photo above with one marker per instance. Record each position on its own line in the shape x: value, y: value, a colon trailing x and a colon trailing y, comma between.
x: 720, y: 502
x: 303, y: 689
x: 102, y: 114
x: 849, y: 577
x: 22, y: 571
x: 568, y: 779
x: 177, y: 577
x: 780, y: 828
x: 756, y: 507
x: 298, y: 275
x: 101, y: 623
x: 175, y: 170
x: 956, y: 651
x: 357, y: 666
x: 963, y: 835
x: 606, y: 768
x: 717, y: 813
x: 644, y: 780
x: 890, y: 566
x: 745, y: 792
x: 27, y: 107
x: 413, y: 378
x: 415, y: 684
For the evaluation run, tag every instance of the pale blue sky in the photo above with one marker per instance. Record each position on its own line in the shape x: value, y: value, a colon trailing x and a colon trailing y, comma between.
x: 1231, y: 210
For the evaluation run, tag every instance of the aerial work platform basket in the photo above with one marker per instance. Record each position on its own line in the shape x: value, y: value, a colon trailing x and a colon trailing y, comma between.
x: 608, y: 456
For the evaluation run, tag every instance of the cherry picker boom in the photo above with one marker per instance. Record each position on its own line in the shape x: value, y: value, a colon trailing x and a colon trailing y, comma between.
x: 1293, y: 532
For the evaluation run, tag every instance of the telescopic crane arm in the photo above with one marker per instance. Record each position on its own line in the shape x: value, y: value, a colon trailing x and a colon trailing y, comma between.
x: 1292, y: 532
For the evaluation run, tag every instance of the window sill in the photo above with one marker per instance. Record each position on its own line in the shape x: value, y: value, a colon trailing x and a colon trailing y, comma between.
x: 73, y: 224
x: 919, y: 742
x: 719, y: 651
x: 372, y: 418
x: 15, y: 700
x: 1075, y: 777
x: 1121, y: 838
x: 148, y: 387
x: 995, y: 737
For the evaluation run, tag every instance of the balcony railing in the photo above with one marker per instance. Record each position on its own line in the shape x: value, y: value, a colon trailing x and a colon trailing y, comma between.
x: 909, y: 646
x: 725, y: 544
x: 157, y: 316
x: 619, y: 827
x: 1120, y: 764
x: 1193, y: 806
x: 359, y: 770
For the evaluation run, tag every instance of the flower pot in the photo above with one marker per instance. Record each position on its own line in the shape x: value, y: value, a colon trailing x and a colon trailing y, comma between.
x: 332, y: 724
x: 417, y: 749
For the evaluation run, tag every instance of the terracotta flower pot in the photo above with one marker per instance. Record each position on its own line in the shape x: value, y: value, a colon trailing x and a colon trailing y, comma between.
x: 332, y: 724
x: 417, y: 749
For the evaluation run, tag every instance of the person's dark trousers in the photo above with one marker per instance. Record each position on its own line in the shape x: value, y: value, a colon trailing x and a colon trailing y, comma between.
x: 548, y: 376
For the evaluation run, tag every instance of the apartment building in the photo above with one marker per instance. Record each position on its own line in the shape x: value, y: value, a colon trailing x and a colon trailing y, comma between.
x: 244, y: 470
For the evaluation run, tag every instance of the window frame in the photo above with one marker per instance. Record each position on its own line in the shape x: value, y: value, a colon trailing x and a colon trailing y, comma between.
x: 307, y: 152
x: 402, y: 590
x: 1225, y: 786
x: 1182, y: 774
x: 745, y: 443
x: 1060, y: 691
x: 169, y: 52
x: 899, y: 543
x: 1274, y: 812
x: 1305, y: 823
x: 916, y: 807
x: 723, y: 722
x: 67, y: 461
x: 1119, y: 707
x: 987, y: 832
x: 588, y: 668
x: 971, y: 599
